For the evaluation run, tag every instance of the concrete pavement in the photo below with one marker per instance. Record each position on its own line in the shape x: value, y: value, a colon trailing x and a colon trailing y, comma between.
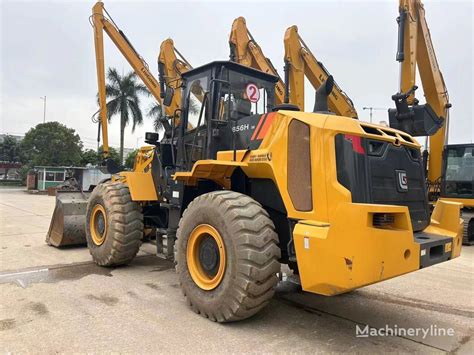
x: 58, y: 301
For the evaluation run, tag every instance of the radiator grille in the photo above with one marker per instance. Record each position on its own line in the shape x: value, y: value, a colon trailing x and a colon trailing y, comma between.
x: 299, y: 166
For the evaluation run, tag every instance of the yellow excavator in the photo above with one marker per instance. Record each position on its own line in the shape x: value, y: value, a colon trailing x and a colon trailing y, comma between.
x: 171, y: 65
x: 67, y: 225
x: 243, y: 184
x: 450, y: 168
x: 246, y: 51
x: 300, y: 62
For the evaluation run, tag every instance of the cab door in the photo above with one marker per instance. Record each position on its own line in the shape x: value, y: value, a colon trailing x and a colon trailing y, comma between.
x: 196, y: 119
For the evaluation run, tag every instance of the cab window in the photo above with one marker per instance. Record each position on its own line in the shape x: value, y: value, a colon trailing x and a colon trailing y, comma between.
x: 196, y: 91
x: 243, y: 96
x: 459, y: 179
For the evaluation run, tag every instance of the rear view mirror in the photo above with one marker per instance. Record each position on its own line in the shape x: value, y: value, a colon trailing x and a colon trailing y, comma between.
x: 152, y: 138
x: 168, y: 96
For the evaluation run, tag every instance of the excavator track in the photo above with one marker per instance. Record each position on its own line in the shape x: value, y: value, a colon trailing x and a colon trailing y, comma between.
x: 468, y: 234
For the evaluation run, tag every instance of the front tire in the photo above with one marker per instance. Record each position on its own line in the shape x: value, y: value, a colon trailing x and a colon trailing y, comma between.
x: 114, y: 225
x: 227, y: 256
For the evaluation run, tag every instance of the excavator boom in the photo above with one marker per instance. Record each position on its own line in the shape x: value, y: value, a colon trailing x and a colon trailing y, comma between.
x: 416, y: 51
x: 171, y: 64
x: 101, y: 24
x: 68, y: 221
x: 300, y: 62
x: 450, y: 179
x: 245, y: 50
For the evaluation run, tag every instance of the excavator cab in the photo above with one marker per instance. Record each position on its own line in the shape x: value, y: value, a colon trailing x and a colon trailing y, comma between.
x: 457, y: 183
x: 458, y: 171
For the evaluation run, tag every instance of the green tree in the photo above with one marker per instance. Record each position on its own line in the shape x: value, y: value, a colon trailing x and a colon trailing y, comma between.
x: 51, y: 143
x: 89, y: 156
x: 123, y: 92
x: 155, y: 112
x: 23, y: 172
x: 112, y: 154
x: 9, y: 151
x: 130, y: 159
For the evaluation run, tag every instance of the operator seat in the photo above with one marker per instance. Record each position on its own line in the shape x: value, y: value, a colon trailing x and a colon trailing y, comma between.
x: 240, y: 108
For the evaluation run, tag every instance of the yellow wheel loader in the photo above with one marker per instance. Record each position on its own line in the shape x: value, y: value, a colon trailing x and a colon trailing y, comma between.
x: 243, y: 185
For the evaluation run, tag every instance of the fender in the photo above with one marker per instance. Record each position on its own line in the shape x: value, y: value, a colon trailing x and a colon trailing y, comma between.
x: 215, y: 170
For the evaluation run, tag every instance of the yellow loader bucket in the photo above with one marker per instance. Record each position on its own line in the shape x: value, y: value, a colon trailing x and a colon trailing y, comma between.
x: 68, y: 224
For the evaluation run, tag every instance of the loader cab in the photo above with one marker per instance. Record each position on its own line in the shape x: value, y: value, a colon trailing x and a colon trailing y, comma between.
x: 222, y: 102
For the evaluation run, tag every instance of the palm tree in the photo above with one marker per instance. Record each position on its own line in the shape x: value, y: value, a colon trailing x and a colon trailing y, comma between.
x: 124, y: 92
x: 155, y: 111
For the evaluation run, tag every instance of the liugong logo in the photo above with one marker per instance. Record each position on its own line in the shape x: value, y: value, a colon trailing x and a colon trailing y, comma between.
x: 402, y: 181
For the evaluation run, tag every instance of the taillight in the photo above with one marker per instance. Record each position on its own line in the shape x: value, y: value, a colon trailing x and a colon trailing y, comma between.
x: 356, y: 143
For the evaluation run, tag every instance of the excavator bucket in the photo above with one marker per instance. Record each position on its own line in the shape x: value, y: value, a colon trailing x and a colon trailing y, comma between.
x: 69, y: 219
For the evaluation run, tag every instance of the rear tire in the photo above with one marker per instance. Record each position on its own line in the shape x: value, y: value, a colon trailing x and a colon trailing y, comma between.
x: 245, y: 236
x: 114, y: 225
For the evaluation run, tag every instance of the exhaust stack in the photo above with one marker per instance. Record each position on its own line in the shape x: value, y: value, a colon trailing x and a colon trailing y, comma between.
x: 322, y: 94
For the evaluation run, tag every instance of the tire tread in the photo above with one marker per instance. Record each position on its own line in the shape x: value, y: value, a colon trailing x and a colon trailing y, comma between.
x: 125, y: 228
x: 257, y: 254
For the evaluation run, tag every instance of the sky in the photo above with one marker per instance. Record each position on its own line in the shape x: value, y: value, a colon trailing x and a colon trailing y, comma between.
x: 47, y: 50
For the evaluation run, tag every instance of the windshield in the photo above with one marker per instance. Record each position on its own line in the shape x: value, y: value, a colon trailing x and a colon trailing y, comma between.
x: 459, y: 178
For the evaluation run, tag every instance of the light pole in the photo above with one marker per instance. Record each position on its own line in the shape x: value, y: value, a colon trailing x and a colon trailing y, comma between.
x: 372, y: 109
x: 44, y: 107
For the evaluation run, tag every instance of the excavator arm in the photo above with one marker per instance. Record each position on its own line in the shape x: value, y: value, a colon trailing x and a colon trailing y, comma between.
x: 105, y: 24
x: 300, y: 62
x: 244, y: 50
x: 415, y: 50
x: 171, y: 64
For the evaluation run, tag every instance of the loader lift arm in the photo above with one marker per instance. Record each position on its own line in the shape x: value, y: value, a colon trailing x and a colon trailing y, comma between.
x: 415, y: 49
x: 301, y: 62
x: 245, y: 50
x: 102, y: 23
